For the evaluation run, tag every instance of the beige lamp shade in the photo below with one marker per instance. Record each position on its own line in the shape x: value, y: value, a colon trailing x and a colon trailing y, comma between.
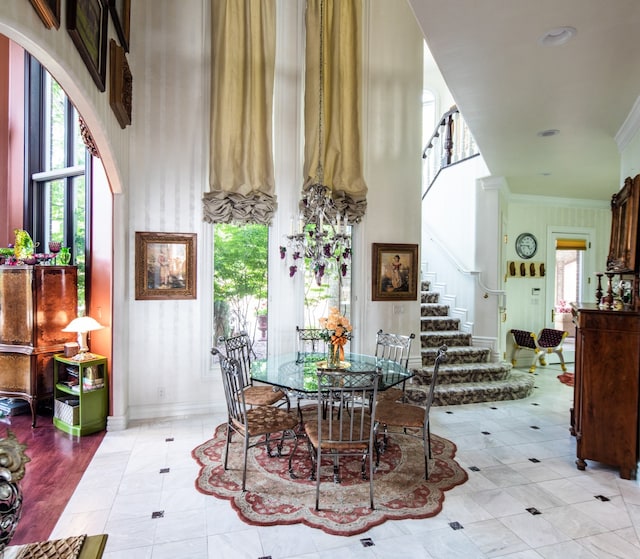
x: 82, y: 326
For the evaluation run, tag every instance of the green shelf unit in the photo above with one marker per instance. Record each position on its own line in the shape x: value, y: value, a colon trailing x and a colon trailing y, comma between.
x: 81, y: 395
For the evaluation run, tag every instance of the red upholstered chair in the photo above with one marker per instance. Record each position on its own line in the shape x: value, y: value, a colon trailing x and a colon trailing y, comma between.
x: 547, y: 341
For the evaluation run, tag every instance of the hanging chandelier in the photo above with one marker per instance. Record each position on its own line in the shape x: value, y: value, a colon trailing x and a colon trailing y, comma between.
x: 322, y: 238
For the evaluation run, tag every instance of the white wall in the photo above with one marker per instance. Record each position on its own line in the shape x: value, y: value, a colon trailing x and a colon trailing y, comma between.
x: 450, y: 226
x: 161, y: 364
x: 537, y: 215
x: 392, y: 130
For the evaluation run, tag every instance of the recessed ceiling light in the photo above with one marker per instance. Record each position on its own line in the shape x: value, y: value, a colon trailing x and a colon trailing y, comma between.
x: 548, y: 133
x: 558, y: 36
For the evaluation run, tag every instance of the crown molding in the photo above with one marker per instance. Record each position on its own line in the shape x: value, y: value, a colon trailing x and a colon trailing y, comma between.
x: 559, y: 202
x: 629, y: 128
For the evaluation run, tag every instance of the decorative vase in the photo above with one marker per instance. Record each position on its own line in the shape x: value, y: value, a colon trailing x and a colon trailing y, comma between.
x: 23, y: 246
x: 10, y: 508
x: 333, y: 355
x: 64, y: 256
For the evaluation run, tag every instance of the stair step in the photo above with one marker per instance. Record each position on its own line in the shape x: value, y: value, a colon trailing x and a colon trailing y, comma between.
x: 457, y: 354
x: 433, y: 323
x: 467, y: 376
x: 434, y: 309
x: 463, y: 373
x: 451, y: 338
x: 429, y: 297
x: 518, y: 385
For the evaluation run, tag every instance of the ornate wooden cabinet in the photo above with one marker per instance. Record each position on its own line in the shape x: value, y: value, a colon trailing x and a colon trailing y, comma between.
x: 607, y: 385
x: 36, y: 303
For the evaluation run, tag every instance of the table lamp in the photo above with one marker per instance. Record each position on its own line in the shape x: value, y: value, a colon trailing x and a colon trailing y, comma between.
x: 83, y: 325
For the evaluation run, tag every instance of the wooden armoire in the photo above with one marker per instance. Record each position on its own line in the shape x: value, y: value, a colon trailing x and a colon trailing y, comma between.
x: 605, y: 411
x: 36, y: 303
x: 607, y: 388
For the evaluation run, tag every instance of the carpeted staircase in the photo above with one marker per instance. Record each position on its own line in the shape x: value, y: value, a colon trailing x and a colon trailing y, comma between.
x: 467, y: 376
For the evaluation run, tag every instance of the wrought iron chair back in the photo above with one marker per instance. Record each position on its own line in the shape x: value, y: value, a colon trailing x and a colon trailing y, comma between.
x: 345, y: 422
x: 394, y: 347
x: 240, y: 348
x: 310, y: 340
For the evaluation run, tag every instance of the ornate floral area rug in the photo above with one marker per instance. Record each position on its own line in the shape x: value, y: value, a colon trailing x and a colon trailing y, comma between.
x: 273, y: 498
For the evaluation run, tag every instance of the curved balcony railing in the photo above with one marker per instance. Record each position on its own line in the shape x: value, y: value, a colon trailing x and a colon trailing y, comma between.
x: 450, y: 143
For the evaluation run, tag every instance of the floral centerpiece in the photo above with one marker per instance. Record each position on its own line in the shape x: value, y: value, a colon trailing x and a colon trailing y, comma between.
x: 337, y: 331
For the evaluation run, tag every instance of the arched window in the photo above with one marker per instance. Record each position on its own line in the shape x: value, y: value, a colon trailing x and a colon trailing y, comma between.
x: 57, y: 169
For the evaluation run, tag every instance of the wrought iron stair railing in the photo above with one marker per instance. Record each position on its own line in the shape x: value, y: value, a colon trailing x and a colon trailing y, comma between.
x: 450, y: 143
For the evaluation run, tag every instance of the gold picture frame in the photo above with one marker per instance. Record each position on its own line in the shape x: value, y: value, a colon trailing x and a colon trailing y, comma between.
x: 623, y: 246
x: 165, y: 265
x: 395, y: 272
x: 49, y: 12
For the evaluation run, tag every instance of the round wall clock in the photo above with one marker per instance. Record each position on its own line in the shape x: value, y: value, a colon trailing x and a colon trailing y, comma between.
x: 526, y: 245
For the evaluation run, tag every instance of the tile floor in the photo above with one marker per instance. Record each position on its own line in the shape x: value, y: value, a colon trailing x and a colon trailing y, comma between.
x: 524, y: 499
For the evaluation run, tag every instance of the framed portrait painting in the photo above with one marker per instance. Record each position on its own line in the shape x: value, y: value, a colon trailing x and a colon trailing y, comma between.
x: 87, y: 24
x: 395, y: 272
x: 165, y: 265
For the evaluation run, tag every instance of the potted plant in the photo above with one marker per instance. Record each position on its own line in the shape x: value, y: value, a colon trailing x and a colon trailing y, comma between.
x: 261, y: 317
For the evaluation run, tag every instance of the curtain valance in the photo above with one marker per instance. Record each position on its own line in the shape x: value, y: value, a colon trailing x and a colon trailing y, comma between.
x: 341, y: 148
x: 241, y: 161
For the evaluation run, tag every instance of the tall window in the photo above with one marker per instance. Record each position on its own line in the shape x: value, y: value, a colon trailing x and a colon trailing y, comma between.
x: 240, y: 282
x: 57, y: 171
x: 334, y: 291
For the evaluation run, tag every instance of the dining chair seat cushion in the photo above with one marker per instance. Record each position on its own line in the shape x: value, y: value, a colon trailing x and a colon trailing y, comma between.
x: 267, y: 419
x: 262, y: 395
x: 311, y: 429
x: 406, y: 415
x: 390, y: 395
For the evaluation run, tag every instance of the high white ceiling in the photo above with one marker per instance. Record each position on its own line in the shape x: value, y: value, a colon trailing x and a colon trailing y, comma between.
x: 509, y: 87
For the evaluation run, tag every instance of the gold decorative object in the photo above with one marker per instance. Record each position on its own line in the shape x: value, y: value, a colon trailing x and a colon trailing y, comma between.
x: 12, y: 457
x: 87, y: 138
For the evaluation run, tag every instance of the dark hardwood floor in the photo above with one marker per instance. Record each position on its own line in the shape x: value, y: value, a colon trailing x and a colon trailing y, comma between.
x: 58, y: 461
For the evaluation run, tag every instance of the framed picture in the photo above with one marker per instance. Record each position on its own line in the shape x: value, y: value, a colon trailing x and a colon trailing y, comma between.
x: 87, y: 25
x: 395, y: 272
x: 120, y: 84
x: 165, y: 265
x: 121, y: 16
x: 49, y: 12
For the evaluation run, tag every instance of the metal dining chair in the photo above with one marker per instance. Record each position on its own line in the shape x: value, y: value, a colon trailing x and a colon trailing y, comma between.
x: 255, y: 425
x: 310, y: 340
x: 393, y: 347
x: 342, y: 427
x: 239, y: 347
x: 414, y: 420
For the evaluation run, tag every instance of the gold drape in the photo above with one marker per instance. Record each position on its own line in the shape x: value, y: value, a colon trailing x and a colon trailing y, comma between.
x: 242, y: 72
x: 341, y: 139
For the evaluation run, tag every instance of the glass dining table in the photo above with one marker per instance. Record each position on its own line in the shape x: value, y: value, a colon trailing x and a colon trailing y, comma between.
x: 297, y: 372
